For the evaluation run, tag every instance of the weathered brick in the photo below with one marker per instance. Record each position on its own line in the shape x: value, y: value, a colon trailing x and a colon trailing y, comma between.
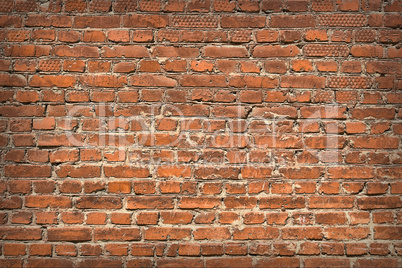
x: 297, y: 21
x: 275, y: 51
x: 216, y: 135
x: 342, y: 20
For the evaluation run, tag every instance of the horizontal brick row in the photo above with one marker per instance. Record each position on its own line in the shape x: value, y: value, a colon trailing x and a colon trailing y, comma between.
x: 193, y: 52
x: 200, y: 249
x: 83, y: 234
x: 166, y: 157
x: 183, y: 217
x: 201, y: 36
x: 199, y: 187
x: 144, y: 100
x: 108, y: 6
x: 201, y: 21
x: 207, y: 262
x: 267, y: 139
x: 260, y: 85
x: 204, y: 202
x: 267, y: 67
x: 199, y: 171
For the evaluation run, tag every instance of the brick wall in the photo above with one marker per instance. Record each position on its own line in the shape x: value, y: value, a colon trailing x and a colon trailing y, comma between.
x: 200, y: 133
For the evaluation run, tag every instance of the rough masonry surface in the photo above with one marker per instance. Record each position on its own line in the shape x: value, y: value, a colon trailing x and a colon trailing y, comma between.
x: 200, y: 133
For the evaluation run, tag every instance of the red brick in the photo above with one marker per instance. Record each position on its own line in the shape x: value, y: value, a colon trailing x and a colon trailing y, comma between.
x: 266, y: 36
x: 225, y: 52
x: 279, y: 202
x: 350, y: 172
x: 240, y: 202
x: 302, y: 66
x: 96, y: 218
x: 90, y: 250
x: 133, y: 51
x: 275, y: 51
x: 311, y: 233
x: 379, y: 249
x: 176, y: 217
x: 124, y: 67
x: 218, y: 233
x: 170, y: 51
x: 189, y: 250
x: 117, y: 234
x: 93, y: 36
x: 147, y: 218
x: 117, y: 249
x: 149, y: 80
x: 66, y: 250
x: 142, y: 250
x: 199, y: 202
x: 367, y: 51
x: 229, y: 262
x: 333, y: 248
x: 143, y: 21
x: 69, y: 234
x: 14, y: 155
x: 242, y: 21
x: 100, y: 262
x: 308, y: 248
x: 14, y: 249
x: 162, y: 233
x: 27, y: 51
x: 72, y: 217
x: 126, y: 171
x: 316, y: 35
x: 378, y: 202
x: 40, y: 250
x: 342, y: 233
x: 151, y: 202
x: 376, y: 263
x: 301, y: 173
x: 253, y: 82
x: 48, y: 201
x: 98, y: 202
x: 277, y: 262
x: 174, y: 171
x: 327, y: 262
x: 203, y: 80
x: 12, y: 80
x: 121, y: 218
x: 298, y: 21
x: 331, y: 202
x: 77, y: 51
x: 327, y: 66
x: 97, y: 21
x: 43, y: 262
x: 303, y: 82
x: 331, y: 218
x: 46, y: 218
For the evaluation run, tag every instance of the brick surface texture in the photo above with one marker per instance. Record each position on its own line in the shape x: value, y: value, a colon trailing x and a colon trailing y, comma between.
x: 200, y: 133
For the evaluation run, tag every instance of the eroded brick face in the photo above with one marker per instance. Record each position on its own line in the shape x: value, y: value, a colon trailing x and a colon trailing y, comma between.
x: 200, y: 133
